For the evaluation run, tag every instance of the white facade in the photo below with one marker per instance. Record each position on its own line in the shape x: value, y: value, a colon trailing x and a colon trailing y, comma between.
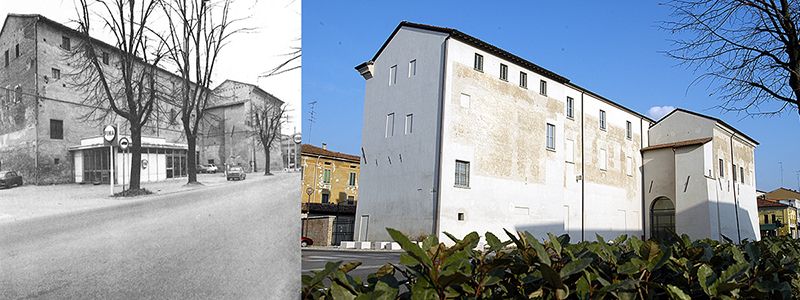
x: 589, y: 182
x: 160, y: 160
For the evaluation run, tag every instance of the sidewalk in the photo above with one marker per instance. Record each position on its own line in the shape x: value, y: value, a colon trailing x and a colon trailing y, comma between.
x: 31, y: 201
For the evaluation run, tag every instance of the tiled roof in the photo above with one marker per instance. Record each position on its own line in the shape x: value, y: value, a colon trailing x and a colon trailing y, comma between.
x: 768, y: 203
x: 312, y: 150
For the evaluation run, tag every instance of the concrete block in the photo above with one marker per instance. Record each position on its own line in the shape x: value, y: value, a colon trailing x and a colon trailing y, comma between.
x: 348, y: 245
x: 363, y: 245
x: 393, y: 246
x: 379, y: 245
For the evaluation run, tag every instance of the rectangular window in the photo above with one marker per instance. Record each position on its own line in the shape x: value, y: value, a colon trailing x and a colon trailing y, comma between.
x: 352, y: 181
x: 569, y: 151
x: 412, y: 68
x: 766, y: 219
x: 628, y: 129
x: 603, y: 159
x: 570, y: 108
x: 551, y: 136
x: 741, y: 174
x: 465, y: 99
x: 105, y: 57
x: 462, y: 173
x: 478, y: 62
x: 629, y: 165
x: 602, y: 119
x: 56, y: 74
x: 390, y: 125
x: 16, y: 50
x: 409, y: 123
x: 543, y: 87
x: 734, y: 172
x: 503, y: 72
x: 523, y: 80
x: 721, y: 167
x: 65, y: 44
x: 56, y: 129
x: 393, y: 75
x: 326, y: 176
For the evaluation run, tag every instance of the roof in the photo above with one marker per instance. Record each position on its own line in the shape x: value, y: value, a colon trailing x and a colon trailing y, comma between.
x: 480, y: 44
x: 710, y: 118
x: 306, y: 149
x: 783, y: 194
x: 678, y: 144
x: 257, y: 88
x: 769, y: 203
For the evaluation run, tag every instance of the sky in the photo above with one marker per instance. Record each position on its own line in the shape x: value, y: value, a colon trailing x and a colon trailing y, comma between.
x: 275, y: 31
x: 615, y: 51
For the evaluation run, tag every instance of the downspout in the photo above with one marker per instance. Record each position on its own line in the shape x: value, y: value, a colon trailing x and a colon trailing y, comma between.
x: 583, y: 175
x: 437, y: 181
x: 641, y: 160
x: 735, y: 199
x: 36, y: 99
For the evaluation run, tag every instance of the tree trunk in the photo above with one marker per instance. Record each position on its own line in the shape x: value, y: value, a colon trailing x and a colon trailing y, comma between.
x: 191, y: 163
x: 136, y: 156
x: 267, y: 164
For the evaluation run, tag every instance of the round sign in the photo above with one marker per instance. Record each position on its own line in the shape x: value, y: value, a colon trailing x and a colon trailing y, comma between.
x: 124, y: 143
x: 297, y: 138
x: 109, y: 133
x: 309, y: 191
x: 144, y: 164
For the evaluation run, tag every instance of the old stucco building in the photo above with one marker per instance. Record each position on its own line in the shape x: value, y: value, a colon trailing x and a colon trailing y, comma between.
x: 328, y: 176
x: 460, y: 135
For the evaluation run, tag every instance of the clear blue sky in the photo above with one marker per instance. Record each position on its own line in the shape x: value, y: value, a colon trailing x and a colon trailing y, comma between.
x: 612, y: 50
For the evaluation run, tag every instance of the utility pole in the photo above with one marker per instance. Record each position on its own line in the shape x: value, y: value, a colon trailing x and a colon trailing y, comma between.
x: 780, y: 163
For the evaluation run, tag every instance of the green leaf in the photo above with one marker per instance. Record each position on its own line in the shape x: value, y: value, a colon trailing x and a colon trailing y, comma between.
x: 706, y: 276
x: 582, y: 288
x: 544, y: 257
x: 412, y: 249
x: 677, y: 293
x: 555, y: 243
x: 349, y: 266
x: 340, y: 292
x: 551, y: 276
x: 575, y: 266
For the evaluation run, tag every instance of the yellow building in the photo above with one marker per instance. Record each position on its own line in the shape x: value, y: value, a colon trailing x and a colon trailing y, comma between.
x: 776, y: 218
x: 328, y: 176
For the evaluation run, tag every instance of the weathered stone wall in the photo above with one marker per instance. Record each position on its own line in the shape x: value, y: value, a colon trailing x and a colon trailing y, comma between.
x: 319, y: 229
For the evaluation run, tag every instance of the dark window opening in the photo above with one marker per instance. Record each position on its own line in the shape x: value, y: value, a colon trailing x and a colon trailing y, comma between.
x: 56, y: 129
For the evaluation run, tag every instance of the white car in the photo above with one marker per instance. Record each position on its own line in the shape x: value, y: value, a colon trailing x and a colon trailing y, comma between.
x: 211, y: 168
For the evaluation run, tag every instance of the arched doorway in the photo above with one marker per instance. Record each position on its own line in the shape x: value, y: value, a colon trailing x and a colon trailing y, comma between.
x: 662, y: 218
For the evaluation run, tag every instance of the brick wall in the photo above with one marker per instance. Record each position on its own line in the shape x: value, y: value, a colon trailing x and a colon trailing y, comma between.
x: 319, y: 229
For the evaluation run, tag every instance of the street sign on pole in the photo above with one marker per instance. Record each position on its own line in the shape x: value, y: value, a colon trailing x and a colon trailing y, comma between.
x: 110, y: 134
x: 124, y: 143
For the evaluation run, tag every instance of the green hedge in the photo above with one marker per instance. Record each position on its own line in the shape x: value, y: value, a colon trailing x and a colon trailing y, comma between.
x: 523, y: 267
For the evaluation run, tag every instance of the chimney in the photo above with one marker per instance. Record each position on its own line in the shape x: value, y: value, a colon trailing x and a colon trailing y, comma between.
x: 324, y: 146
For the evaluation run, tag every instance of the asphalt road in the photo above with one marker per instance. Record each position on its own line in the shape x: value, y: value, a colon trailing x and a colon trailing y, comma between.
x: 371, y: 261
x: 233, y: 241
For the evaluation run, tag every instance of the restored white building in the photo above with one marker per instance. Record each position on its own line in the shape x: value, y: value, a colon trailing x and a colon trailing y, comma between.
x: 462, y: 136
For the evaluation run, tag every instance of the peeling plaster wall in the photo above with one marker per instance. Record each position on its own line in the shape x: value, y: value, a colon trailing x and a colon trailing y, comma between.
x: 398, y: 172
x: 339, y: 188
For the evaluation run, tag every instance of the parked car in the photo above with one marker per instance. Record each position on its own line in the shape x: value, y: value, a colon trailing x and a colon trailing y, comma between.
x: 9, y: 179
x: 211, y: 168
x: 202, y: 169
x: 236, y: 173
x: 305, y: 242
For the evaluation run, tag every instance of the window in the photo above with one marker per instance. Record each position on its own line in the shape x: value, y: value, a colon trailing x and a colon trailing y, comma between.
x: 766, y: 219
x: 326, y: 176
x: 503, y: 72
x: 570, y: 108
x: 16, y: 50
x: 352, y: 181
x: 412, y: 68
x: 56, y: 73
x: 105, y: 57
x: 173, y: 116
x: 569, y: 151
x: 628, y: 130
x: 6, y: 59
x: 478, y: 62
x: 543, y: 87
x: 65, y: 43
x: 629, y: 165
x: 741, y: 174
x: 390, y: 125
x: 721, y: 167
x: 662, y: 217
x: 602, y: 119
x: 551, y: 136
x: 523, y: 80
x: 734, y: 172
x: 603, y: 159
x: 393, y: 75
x: 56, y: 129
x: 465, y: 99
x: 462, y: 173
x: 409, y: 123
x: 326, y: 198
x: 56, y: 161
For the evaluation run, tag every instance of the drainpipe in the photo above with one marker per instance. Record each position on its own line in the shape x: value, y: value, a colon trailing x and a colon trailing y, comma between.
x: 735, y: 199
x: 583, y: 175
x: 36, y: 99
x: 641, y: 160
x: 437, y: 182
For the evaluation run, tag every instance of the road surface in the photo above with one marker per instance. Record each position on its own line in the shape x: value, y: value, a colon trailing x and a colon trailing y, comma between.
x: 233, y: 241
x: 371, y: 261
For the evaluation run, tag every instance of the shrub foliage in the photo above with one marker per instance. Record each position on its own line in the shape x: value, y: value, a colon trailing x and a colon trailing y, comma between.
x: 524, y: 267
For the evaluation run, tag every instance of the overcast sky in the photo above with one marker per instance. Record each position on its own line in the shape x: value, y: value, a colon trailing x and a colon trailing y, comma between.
x: 277, y: 30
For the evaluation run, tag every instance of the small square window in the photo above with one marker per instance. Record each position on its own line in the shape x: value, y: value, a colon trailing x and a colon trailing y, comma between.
x: 56, y: 73
x: 462, y: 173
x: 543, y: 87
x: 65, y: 43
x: 570, y: 108
x: 523, y: 80
x: 412, y: 68
x: 602, y: 119
x: 461, y: 216
x: 503, y: 72
x: 478, y: 62
x: 56, y: 161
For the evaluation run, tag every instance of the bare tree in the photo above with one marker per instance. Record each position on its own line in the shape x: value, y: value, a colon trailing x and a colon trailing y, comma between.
x: 748, y: 49
x: 269, y: 116
x: 120, y: 79
x: 198, y: 31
